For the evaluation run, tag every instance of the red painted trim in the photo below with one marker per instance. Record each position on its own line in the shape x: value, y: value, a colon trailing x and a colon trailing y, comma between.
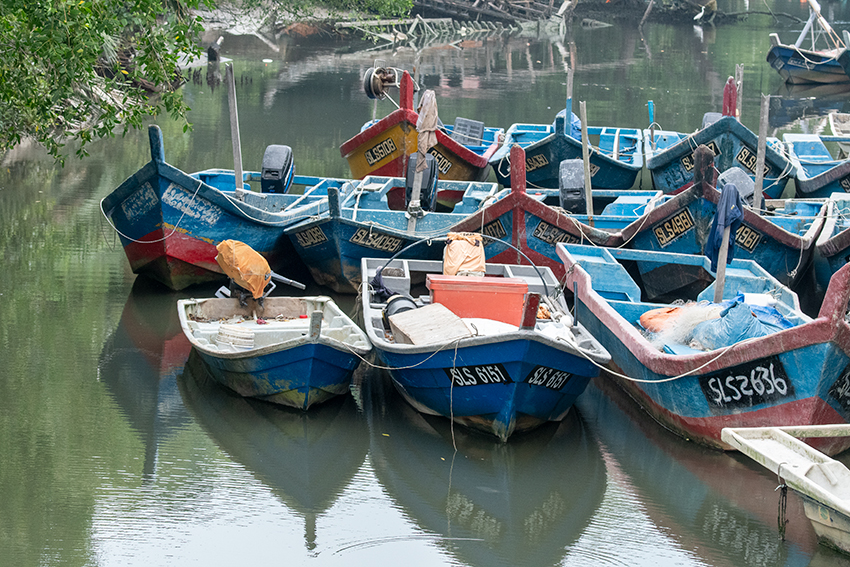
x: 706, y: 430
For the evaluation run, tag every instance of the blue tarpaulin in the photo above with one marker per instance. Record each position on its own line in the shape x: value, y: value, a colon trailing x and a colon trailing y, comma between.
x: 729, y: 213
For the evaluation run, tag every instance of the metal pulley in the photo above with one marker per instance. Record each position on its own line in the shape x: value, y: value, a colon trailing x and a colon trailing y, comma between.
x: 378, y: 79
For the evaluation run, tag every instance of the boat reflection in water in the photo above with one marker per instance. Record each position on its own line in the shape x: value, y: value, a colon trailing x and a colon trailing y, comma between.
x: 490, y: 503
x: 715, y: 506
x: 139, y: 364
x: 306, y: 458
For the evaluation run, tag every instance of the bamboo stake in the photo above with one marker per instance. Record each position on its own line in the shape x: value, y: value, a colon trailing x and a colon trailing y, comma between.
x: 585, y: 155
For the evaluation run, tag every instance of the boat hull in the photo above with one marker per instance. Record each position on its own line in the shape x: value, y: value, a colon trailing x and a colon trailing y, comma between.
x: 797, y: 66
x: 671, y: 163
x: 298, y: 377
x: 781, y: 244
x: 547, y: 146
x: 454, y: 384
x: 333, y: 248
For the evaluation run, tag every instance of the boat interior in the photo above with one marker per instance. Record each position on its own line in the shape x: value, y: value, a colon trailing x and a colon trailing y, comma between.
x: 225, y: 326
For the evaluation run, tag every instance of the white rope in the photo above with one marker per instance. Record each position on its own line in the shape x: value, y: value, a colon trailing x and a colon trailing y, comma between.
x: 173, y: 230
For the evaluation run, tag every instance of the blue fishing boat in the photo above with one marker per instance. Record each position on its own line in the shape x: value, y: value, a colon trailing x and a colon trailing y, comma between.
x: 293, y: 351
x: 823, y: 60
x: 169, y: 222
x: 670, y: 155
x: 755, y: 359
x: 616, y: 154
x: 833, y: 243
x: 498, y: 352
x: 523, y: 224
x: 362, y: 224
x: 819, y: 173
x: 781, y: 238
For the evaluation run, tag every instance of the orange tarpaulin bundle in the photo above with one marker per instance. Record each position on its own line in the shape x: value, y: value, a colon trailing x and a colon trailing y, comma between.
x: 244, y: 266
x: 656, y: 320
x: 464, y: 254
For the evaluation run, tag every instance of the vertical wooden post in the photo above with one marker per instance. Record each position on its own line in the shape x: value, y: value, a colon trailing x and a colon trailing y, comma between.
x: 762, y: 149
x: 720, y: 281
x: 570, y: 76
x: 517, y: 169
x: 739, y: 83
x: 585, y: 155
x: 234, y: 126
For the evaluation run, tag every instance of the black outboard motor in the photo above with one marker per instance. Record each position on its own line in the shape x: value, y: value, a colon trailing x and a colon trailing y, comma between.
x: 278, y: 169
x: 571, y: 186
x: 428, y: 190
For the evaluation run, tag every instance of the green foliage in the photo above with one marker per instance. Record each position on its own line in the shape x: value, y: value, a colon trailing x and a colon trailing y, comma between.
x: 74, y: 69
x: 78, y: 70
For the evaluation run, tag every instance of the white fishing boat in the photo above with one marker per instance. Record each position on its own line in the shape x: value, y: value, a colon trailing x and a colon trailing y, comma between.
x: 823, y: 483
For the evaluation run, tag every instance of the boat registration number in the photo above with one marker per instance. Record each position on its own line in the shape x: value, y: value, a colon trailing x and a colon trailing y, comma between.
x: 844, y: 183
x: 552, y: 234
x: 673, y: 227
x: 379, y: 151
x: 376, y: 240
x: 548, y: 377
x: 444, y: 164
x: 140, y: 203
x: 688, y: 161
x: 478, y: 375
x: 310, y: 237
x: 535, y: 162
x: 747, y: 238
x: 494, y: 230
x: 747, y: 385
x: 840, y: 389
x: 747, y: 158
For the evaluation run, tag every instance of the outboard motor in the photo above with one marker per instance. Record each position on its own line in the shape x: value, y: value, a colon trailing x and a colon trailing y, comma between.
x: 428, y: 190
x: 278, y: 169
x: 571, y: 186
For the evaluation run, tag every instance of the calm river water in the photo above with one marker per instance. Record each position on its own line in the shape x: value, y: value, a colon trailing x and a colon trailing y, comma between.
x: 115, y: 449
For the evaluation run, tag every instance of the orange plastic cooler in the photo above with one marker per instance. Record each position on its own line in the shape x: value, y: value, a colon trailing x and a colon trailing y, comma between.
x: 487, y: 297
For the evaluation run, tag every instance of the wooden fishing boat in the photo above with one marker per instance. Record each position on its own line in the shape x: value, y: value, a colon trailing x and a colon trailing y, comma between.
x: 670, y: 155
x: 384, y: 147
x: 781, y: 239
x: 362, y: 224
x: 822, y: 483
x: 754, y: 360
x: 293, y: 351
x: 819, y: 172
x: 523, y: 225
x: 473, y: 349
x: 616, y: 154
x: 833, y: 243
x: 839, y: 126
x: 820, y: 62
x: 169, y: 222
